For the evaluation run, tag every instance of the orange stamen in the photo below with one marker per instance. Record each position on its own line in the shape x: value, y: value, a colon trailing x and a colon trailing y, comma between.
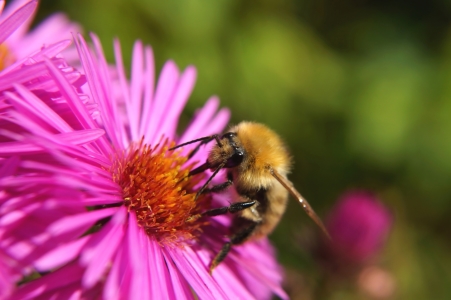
x: 157, y: 188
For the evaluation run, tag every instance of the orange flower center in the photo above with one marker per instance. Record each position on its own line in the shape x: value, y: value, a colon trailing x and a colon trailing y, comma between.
x: 6, y: 57
x: 157, y: 188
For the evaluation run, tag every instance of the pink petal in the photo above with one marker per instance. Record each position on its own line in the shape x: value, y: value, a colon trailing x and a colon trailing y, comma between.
x: 44, y: 52
x: 124, y: 87
x: 165, y: 88
x: 149, y: 78
x: 145, y: 275
x: 161, y: 285
x: 9, y: 166
x: 195, y: 273
x: 54, y: 28
x: 99, y: 252
x: 25, y: 74
x: 75, y: 222
x: 200, y: 121
x: 118, y: 282
x: 96, y: 70
x: 179, y: 284
x: 61, y: 255
x: 18, y: 214
x: 219, y: 122
x: 12, y: 22
x: 136, y: 254
x: 168, y: 124
x: 63, y: 277
x: 226, y: 278
x: 136, y: 84
x: 254, y: 267
x: 75, y: 104
x: 36, y: 106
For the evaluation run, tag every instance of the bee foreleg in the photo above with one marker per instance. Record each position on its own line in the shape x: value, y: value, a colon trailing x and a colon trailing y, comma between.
x: 235, y: 239
x: 220, y: 187
x: 235, y: 207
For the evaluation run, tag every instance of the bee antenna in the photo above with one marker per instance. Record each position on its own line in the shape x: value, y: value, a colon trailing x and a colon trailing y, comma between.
x: 305, y: 205
x: 203, y: 140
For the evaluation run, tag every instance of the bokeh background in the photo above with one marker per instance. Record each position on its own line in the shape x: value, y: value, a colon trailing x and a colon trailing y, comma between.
x: 360, y: 90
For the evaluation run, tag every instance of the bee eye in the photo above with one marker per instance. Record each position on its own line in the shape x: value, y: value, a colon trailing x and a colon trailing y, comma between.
x: 228, y: 135
x: 235, y: 159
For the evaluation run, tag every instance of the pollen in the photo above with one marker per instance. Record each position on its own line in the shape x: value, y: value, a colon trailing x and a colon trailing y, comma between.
x: 6, y: 57
x: 156, y: 187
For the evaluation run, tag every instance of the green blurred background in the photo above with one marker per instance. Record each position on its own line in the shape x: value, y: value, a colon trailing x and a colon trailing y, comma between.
x: 359, y: 89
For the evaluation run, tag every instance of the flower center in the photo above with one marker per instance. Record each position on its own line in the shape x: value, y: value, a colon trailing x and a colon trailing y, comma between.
x: 157, y: 188
x: 6, y: 57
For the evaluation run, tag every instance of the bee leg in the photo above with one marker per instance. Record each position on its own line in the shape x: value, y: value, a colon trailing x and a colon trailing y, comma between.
x: 235, y: 207
x: 220, y: 187
x: 235, y: 239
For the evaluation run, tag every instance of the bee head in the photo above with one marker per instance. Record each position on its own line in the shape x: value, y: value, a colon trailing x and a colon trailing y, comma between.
x: 228, y: 151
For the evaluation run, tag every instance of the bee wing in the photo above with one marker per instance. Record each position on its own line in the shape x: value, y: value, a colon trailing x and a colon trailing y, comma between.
x: 305, y: 205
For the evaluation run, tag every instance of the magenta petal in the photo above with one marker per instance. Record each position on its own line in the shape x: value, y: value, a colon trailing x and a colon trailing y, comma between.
x: 77, y: 138
x: 136, y: 83
x: 226, y: 278
x: 96, y: 70
x: 174, y: 108
x: 75, y: 222
x: 54, y: 28
x: 161, y: 285
x: 219, y: 121
x: 201, y: 119
x: 98, y: 254
x: 72, y: 98
x: 149, y: 77
x: 18, y: 215
x: 103, y: 258
x: 22, y: 75
x: 78, y: 108
x: 205, y: 123
x: 61, y: 255
x: 120, y: 69
x: 12, y: 22
x: 254, y: 267
x: 31, y: 59
x: 195, y: 273
x: 61, y: 278
x: 9, y: 166
x: 179, y: 284
x: 165, y: 88
x: 46, y: 52
x: 113, y: 284
x: 37, y: 107
x: 137, y: 251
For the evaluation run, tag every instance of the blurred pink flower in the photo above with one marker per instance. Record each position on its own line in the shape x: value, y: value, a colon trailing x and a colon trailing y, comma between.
x: 92, y: 198
x: 18, y: 45
x: 358, y: 225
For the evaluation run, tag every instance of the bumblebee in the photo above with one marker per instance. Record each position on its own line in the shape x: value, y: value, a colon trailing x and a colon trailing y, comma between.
x: 257, y: 164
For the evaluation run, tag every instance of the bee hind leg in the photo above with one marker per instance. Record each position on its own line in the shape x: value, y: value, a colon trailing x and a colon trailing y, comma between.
x: 236, y: 239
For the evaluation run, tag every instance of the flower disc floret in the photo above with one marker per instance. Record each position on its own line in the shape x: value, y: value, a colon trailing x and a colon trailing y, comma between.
x: 156, y: 186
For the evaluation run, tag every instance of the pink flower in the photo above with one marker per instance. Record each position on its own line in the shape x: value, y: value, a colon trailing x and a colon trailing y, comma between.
x: 92, y: 198
x: 19, y: 46
x: 358, y: 225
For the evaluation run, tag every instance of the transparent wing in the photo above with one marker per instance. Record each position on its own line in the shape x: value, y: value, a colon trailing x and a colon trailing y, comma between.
x: 305, y: 205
